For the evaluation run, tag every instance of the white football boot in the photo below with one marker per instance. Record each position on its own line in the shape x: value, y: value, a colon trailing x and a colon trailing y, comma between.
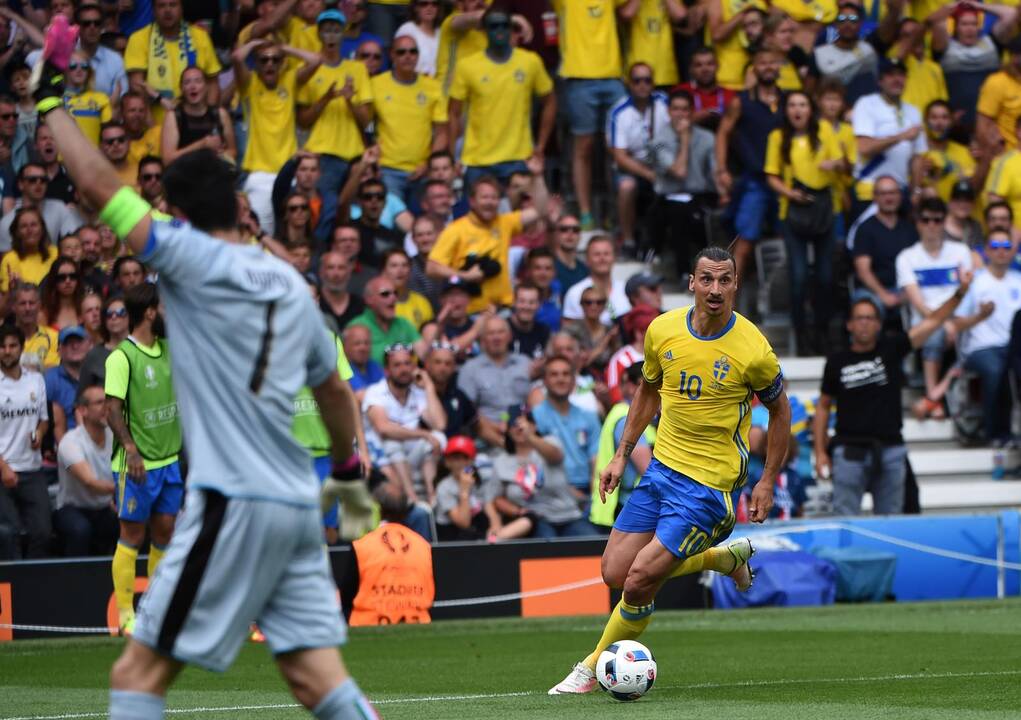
x: 579, y: 681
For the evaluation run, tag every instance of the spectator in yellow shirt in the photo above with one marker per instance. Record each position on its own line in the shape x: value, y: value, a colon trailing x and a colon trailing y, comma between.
x: 999, y: 103
x: 156, y: 55
x: 336, y: 106
x: 1004, y: 183
x: 497, y: 87
x: 412, y: 306
x: 31, y: 253
x: 144, y: 138
x: 591, y: 65
x: 411, y: 117
x: 113, y: 143
x: 925, y: 81
x: 40, y: 352
x: 651, y: 34
x: 476, y: 248
x: 89, y: 108
x: 269, y: 95
x: 460, y: 37
x: 946, y: 162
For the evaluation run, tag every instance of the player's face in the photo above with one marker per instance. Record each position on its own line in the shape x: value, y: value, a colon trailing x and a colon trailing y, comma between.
x: 559, y: 380
x: 10, y: 353
x: 714, y: 285
x: 541, y: 272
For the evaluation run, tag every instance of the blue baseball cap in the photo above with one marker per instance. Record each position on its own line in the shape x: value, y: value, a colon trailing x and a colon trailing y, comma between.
x: 75, y: 331
x: 331, y: 14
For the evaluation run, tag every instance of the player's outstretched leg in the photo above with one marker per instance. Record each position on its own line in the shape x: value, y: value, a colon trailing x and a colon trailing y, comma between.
x: 319, y: 681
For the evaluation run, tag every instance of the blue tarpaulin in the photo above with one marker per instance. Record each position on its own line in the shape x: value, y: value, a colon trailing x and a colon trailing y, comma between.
x: 782, y: 578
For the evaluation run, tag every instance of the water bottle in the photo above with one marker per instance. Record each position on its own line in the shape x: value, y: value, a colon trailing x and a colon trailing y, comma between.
x: 999, y: 460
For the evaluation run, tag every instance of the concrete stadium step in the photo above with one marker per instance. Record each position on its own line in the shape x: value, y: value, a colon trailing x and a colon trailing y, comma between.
x: 963, y: 495
x: 957, y: 462
x: 928, y: 431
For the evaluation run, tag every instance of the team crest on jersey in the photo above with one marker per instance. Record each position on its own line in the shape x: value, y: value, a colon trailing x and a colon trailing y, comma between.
x: 519, y: 76
x: 150, y: 377
x: 421, y: 99
x: 721, y: 368
x: 595, y: 11
x: 31, y: 397
x: 282, y: 93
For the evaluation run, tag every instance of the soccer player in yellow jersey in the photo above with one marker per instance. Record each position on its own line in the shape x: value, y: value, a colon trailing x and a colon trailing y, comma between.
x: 702, y: 365
x: 335, y: 106
x: 411, y: 118
x: 496, y: 86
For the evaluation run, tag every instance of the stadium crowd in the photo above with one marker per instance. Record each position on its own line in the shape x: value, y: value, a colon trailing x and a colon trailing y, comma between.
x: 456, y: 184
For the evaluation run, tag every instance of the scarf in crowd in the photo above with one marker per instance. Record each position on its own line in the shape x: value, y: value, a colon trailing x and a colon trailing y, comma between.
x: 160, y: 73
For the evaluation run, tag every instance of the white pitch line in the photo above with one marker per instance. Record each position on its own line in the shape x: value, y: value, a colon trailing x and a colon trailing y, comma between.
x: 525, y: 693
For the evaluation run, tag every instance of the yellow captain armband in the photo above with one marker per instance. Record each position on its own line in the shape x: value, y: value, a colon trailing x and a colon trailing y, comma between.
x: 124, y: 211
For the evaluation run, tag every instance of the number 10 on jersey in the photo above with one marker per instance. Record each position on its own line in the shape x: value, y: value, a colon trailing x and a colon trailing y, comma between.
x: 690, y: 385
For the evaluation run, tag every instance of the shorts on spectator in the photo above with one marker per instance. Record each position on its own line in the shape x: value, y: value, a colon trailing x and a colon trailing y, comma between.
x: 412, y: 452
x: 935, y: 346
x: 644, y: 186
x: 588, y: 101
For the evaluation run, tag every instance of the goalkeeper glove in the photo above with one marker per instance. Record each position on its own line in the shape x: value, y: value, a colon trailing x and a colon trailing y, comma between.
x: 347, y: 486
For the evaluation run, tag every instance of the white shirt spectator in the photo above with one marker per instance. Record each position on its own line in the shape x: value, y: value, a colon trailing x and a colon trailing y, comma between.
x: 994, y: 331
x: 628, y: 128
x: 874, y: 117
x: 407, y: 415
x: 428, y: 46
x: 22, y: 406
x: 834, y: 61
x: 76, y: 446
x: 937, y: 276
x: 616, y: 306
x: 60, y: 220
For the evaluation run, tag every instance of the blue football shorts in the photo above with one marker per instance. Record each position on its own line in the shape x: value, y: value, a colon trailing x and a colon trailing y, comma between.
x: 161, y: 492
x: 688, y: 517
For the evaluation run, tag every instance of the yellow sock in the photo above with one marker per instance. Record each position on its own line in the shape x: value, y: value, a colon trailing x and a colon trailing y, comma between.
x: 626, y: 622
x: 716, y: 558
x: 124, y: 560
x: 156, y: 553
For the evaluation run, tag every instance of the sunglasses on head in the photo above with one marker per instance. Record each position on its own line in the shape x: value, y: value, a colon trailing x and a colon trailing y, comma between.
x: 119, y: 312
x: 397, y: 347
x: 443, y: 345
x: 401, y: 52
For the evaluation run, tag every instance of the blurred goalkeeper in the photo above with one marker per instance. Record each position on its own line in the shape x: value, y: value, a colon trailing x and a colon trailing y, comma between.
x: 246, y: 337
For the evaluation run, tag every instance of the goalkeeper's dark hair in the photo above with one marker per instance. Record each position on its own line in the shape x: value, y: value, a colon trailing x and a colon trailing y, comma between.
x: 201, y: 186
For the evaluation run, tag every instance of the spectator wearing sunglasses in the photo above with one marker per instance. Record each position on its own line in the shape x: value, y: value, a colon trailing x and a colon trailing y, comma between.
x: 113, y: 143
x: 495, y: 91
x: 270, y: 93
x: 411, y: 119
x: 108, y: 75
x: 58, y: 218
x: 113, y: 328
x: 984, y: 319
x: 851, y: 60
x: 150, y: 179
x: 423, y: 28
x: 387, y: 329
x: 89, y: 108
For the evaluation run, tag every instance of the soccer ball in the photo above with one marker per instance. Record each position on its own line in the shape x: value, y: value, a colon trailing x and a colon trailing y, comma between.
x: 626, y: 670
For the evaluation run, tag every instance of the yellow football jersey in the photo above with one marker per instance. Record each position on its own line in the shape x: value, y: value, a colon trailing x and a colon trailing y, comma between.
x: 706, y: 394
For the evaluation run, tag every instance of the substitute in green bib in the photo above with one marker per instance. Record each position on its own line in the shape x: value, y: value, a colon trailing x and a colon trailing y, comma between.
x: 308, y: 429
x: 142, y: 412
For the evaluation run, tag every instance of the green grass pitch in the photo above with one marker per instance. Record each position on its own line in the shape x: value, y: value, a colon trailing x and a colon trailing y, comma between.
x: 932, y: 661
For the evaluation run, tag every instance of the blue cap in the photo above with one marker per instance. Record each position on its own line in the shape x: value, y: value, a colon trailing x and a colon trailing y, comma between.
x: 331, y: 14
x: 75, y: 331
